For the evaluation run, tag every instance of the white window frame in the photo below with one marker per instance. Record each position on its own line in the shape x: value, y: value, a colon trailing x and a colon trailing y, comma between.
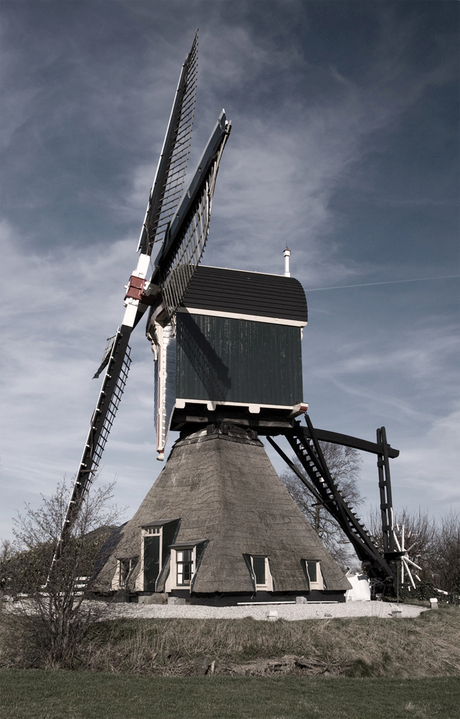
x: 172, y: 581
x: 318, y: 583
x: 181, y: 562
x: 268, y: 584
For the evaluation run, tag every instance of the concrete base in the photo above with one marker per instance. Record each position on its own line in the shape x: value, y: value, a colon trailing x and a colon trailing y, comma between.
x: 176, y: 600
x: 152, y: 599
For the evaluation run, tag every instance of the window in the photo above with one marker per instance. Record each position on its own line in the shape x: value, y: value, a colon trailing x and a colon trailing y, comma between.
x: 184, y: 565
x: 259, y: 567
x: 185, y: 561
x: 312, y: 569
x: 125, y: 567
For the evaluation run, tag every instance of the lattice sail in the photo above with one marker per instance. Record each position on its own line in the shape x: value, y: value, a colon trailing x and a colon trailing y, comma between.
x: 190, y: 242
x: 170, y: 175
x: 113, y: 402
x: 112, y: 389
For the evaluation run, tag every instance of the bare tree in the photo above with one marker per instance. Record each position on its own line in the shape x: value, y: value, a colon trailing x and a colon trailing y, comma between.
x: 446, y: 559
x: 344, y: 466
x: 49, y: 616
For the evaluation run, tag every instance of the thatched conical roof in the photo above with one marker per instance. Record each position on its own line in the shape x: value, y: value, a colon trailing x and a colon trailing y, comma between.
x: 224, y: 489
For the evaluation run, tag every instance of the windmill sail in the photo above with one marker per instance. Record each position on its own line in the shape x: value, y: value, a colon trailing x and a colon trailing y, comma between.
x: 186, y: 238
x: 169, y: 177
x: 113, y: 385
x: 164, y: 196
x: 177, y: 261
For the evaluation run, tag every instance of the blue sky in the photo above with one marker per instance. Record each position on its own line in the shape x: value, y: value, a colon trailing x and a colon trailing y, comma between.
x: 344, y: 146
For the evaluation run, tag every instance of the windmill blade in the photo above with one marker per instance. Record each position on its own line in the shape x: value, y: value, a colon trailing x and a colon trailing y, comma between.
x: 118, y: 364
x: 183, y: 242
x: 176, y: 262
x: 164, y: 196
x: 117, y: 361
x: 172, y: 165
x: 405, y: 567
x: 106, y: 356
x: 396, y: 541
x: 412, y: 563
x: 186, y: 237
x: 106, y: 407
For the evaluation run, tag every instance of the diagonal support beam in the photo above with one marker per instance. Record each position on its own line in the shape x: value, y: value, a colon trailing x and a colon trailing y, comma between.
x: 306, y: 445
x: 294, y: 469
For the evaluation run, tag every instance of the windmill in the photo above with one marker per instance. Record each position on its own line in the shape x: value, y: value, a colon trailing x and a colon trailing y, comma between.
x: 227, y: 352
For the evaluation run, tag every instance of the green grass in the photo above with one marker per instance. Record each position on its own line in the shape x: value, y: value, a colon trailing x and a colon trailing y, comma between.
x: 368, y: 668
x: 83, y: 695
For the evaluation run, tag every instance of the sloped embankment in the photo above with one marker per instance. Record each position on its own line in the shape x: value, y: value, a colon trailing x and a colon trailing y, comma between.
x: 428, y: 645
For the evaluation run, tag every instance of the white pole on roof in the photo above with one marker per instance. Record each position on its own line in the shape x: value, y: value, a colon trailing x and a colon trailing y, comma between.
x: 287, y: 254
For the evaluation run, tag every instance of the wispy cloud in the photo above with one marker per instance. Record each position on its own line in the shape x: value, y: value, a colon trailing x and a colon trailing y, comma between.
x: 386, y: 282
x: 340, y: 128
x: 429, y: 465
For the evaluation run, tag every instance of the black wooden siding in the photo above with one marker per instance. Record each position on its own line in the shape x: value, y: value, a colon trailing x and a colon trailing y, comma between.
x: 230, y: 360
x: 250, y: 293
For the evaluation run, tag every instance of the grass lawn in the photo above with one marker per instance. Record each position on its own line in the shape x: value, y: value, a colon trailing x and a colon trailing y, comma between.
x: 38, y: 694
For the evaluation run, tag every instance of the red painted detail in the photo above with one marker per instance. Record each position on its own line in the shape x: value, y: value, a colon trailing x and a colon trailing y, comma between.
x: 148, y: 300
x: 135, y: 288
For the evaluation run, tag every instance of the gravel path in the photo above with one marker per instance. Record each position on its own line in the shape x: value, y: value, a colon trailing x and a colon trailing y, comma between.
x: 290, y: 612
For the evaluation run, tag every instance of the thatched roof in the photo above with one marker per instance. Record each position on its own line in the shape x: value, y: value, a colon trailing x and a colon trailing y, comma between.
x: 223, y: 487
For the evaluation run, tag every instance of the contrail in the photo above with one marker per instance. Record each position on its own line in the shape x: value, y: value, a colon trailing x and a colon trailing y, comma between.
x: 388, y: 282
